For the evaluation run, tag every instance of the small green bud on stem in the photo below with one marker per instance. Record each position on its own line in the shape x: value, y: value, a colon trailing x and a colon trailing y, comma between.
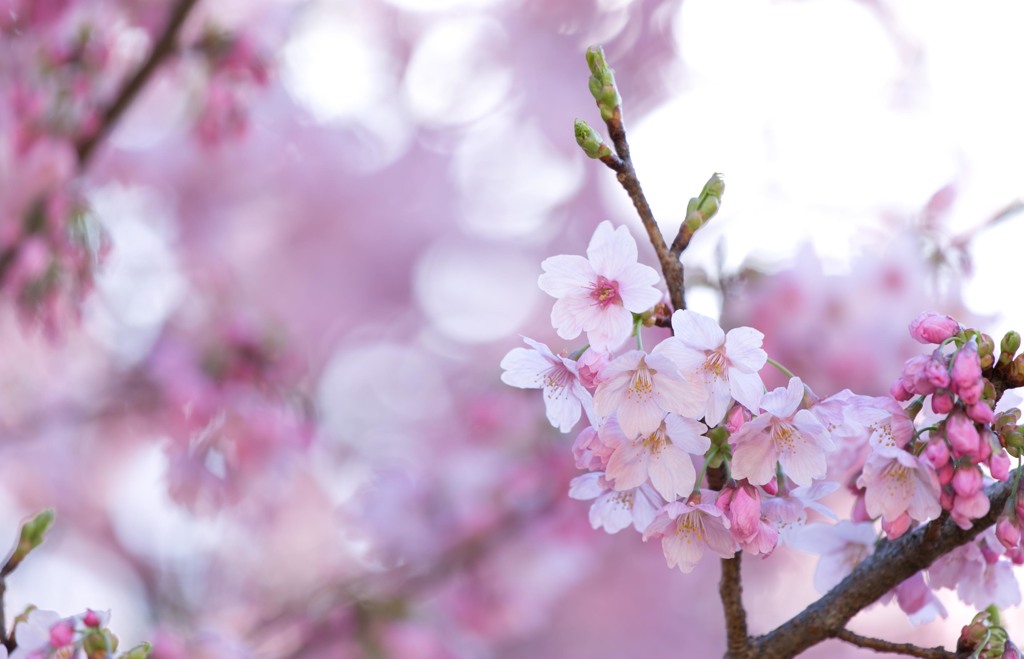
x: 699, y: 211
x: 33, y: 532
x: 602, y: 84
x: 590, y: 141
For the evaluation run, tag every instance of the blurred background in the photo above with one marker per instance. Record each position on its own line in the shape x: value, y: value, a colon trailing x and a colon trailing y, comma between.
x: 277, y: 427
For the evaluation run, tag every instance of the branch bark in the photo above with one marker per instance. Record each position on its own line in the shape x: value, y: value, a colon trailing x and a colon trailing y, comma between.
x: 164, y: 46
x: 888, y: 567
x: 730, y: 589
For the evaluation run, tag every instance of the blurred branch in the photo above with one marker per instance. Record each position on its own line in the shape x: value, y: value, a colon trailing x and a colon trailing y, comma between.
x: 730, y: 590
x: 163, y: 47
x: 893, y: 563
x: 878, y: 645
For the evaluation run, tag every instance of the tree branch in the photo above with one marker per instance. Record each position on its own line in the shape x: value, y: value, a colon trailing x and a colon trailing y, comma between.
x: 730, y: 589
x: 878, y: 645
x: 891, y: 565
x: 163, y: 47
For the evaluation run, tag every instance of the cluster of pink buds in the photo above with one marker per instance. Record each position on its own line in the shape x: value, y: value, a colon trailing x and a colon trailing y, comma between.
x: 964, y: 379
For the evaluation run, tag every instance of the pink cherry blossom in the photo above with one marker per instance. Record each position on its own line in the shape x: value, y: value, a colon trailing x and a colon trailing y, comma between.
x: 686, y: 529
x: 785, y: 435
x: 614, y: 510
x: 978, y: 581
x: 900, y: 483
x: 916, y: 598
x: 539, y: 368
x: 662, y: 457
x: 727, y: 364
x: 640, y: 388
x: 599, y: 294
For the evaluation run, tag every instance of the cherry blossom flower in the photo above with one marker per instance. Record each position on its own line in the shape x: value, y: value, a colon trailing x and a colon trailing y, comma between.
x: 899, y: 483
x: 793, y: 438
x: 614, y: 510
x: 539, y: 368
x: 979, y: 579
x: 599, y: 294
x: 728, y: 364
x: 640, y: 388
x: 663, y: 456
x: 686, y: 529
x: 842, y: 547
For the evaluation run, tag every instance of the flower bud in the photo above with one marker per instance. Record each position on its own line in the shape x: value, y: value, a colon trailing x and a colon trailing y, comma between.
x: 945, y: 473
x: 1008, y: 347
x: 937, y: 453
x: 962, y: 434
x: 897, y: 527
x: 736, y: 417
x: 966, y: 373
x: 1008, y: 533
x: 999, y: 465
x: 981, y: 412
x: 942, y: 402
x: 937, y: 372
x: 602, y: 83
x: 61, y: 634
x: 860, y: 510
x: 967, y: 480
x: 986, y: 350
x: 590, y: 141
x: 1016, y: 372
x: 771, y: 487
x: 899, y: 392
x: 931, y: 327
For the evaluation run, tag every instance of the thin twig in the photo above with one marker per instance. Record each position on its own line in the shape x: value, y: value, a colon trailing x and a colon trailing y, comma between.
x: 671, y: 266
x: 878, y: 645
x: 163, y: 47
x: 730, y: 588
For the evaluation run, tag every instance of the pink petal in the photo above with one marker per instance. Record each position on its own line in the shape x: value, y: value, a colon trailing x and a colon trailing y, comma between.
x: 627, y: 466
x: 524, y: 368
x: 672, y: 473
x: 696, y: 330
x: 746, y: 388
x: 743, y: 347
x: 611, y: 250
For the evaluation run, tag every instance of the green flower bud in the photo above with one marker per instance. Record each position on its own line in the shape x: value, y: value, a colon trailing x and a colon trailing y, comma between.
x: 33, y: 532
x: 1010, y: 343
x: 99, y: 643
x: 590, y: 141
x: 602, y: 83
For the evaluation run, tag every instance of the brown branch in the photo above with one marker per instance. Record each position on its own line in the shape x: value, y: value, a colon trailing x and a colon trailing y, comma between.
x: 730, y: 589
x: 891, y: 565
x: 878, y: 645
x: 671, y: 266
x: 163, y: 47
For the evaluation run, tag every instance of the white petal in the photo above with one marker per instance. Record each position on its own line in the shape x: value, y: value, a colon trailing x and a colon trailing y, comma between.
x: 747, y: 389
x: 610, y: 251
x: 754, y: 460
x: 718, y: 403
x: 524, y: 368
x: 565, y: 274
x: 636, y: 288
x: 686, y: 359
x: 607, y: 328
x: 627, y: 466
x: 587, y: 486
x: 563, y: 408
x: 672, y: 473
x: 686, y: 397
x: 743, y: 347
x: 696, y: 330
x: 639, y: 417
x: 687, y: 434
x: 567, y: 316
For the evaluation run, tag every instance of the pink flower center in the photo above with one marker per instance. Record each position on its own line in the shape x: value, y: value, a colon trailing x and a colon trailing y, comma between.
x: 690, y: 527
x: 605, y: 292
x: 624, y: 500
x: 784, y: 436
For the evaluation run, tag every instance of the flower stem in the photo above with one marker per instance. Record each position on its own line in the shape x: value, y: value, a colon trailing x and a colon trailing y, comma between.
x: 785, y: 371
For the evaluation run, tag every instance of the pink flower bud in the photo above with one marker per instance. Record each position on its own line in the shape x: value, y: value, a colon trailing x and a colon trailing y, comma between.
x: 945, y: 473
x: 967, y: 509
x: 771, y: 487
x: 937, y: 372
x: 967, y: 480
x: 947, y: 499
x: 745, y: 512
x: 1008, y: 533
x: 590, y: 365
x: 736, y: 417
x: 981, y: 412
x: 61, y: 634
x: 937, y: 453
x: 990, y: 555
x: 931, y: 327
x: 897, y: 527
x: 966, y: 372
x: 725, y: 498
x: 1010, y: 651
x: 91, y: 619
x: 1016, y: 555
x: 899, y: 392
x: 942, y: 402
x: 962, y: 434
x: 914, y: 377
x: 999, y: 465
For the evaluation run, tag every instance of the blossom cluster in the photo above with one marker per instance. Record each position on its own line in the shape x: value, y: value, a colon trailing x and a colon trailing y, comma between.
x: 41, y: 634
x: 683, y: 443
